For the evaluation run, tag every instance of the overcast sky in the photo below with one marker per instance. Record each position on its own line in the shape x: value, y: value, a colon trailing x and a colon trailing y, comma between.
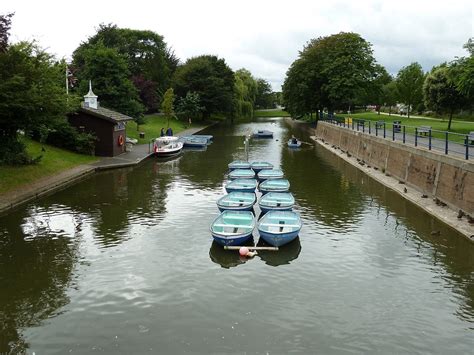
x: 263, y: 36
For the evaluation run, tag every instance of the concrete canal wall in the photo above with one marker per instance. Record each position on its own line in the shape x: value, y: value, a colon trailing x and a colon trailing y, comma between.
x: 444, y: 179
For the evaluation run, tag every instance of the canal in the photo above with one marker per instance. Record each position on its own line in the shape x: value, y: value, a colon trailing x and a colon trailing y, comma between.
x: 124, y: 263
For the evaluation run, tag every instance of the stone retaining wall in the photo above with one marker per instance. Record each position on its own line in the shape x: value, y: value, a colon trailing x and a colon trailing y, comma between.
x: 447, y: 178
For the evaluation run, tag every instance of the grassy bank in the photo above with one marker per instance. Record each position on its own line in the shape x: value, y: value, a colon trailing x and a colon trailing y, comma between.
x: 54, y: 161
x: 461, y: 127
x: 271, y: 113
x: 152, y: 127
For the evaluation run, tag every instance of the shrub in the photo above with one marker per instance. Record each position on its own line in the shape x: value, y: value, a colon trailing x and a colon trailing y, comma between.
x: 65, y: 136
x: 13, y: 152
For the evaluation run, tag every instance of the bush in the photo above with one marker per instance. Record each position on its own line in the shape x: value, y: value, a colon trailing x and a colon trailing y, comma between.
x: 13, y: 152
x: 63, y: 135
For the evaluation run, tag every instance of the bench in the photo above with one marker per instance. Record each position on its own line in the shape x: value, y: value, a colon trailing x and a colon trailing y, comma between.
x: 360, y: 123
x: 424, y: 130
x: 470, y: 138
x: 397, y: 126
x: 379, y: 124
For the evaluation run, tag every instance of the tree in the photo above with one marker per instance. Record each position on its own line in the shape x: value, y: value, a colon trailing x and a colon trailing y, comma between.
x: 167, y: 106
x: 211, y: 79
x: 5, y: 24
x: 264, y: 97
x: 147, y: 90
x: 375, y: 93
x: 150, y: 62
x: 389, y: 94
x: 410, y: 85
x: 32, y: 95
x: 245, y: 93
x: 189, y: 106
x: 109, y: 73
x: 463, y: 72
x: 440, y: 93
x: 332, y: 72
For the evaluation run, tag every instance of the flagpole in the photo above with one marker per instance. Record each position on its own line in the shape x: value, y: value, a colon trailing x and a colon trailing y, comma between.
x: 67, y: 85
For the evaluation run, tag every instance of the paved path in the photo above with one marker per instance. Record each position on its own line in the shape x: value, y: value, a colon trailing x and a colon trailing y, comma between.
x: 55, y: 182
x: 138, y: 153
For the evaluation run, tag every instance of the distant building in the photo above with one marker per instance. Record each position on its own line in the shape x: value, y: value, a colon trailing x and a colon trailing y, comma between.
x: 108, y: 126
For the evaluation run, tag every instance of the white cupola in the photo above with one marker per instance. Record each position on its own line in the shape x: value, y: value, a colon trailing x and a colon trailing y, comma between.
x: 90, y: 100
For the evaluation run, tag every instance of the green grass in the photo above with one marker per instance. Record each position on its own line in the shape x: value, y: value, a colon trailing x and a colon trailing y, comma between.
x: 152, y: 127
x: 461, y: 127
x: 271, y: 113
x: 54, y: 161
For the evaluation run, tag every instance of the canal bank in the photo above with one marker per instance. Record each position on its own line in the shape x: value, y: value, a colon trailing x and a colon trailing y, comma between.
x: 438, y: 184
x: 50, y: 184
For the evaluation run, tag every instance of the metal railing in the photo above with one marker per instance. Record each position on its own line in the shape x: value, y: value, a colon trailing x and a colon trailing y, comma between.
x: 420, y: 136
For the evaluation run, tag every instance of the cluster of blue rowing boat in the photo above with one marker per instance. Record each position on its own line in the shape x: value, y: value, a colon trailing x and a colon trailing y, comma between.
x: 236, y: 223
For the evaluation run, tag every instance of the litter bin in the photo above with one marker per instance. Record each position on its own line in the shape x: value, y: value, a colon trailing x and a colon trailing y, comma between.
x: 142, y: 134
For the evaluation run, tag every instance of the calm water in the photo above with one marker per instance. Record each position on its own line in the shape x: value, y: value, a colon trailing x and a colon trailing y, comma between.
x: 123, y: 263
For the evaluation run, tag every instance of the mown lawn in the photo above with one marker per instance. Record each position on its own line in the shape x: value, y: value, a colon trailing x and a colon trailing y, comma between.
x: 461, y: 127
x: 54, y: 161
x: 152, y: 127
x: 271, y: 113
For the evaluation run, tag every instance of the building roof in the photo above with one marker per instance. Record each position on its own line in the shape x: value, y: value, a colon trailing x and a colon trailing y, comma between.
x: 106, y: 114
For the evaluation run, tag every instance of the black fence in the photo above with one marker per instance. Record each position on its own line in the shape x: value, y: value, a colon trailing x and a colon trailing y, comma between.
x: 424, y: 136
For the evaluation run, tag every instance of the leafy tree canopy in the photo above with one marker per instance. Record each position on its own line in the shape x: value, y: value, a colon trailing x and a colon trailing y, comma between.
x: 5, y: 24
x: 150, y: 62
x: 109, y: 73
x: 209, y: 77
x: 332, y: 72
x: 189, y: 106
x: 245, y: 93
x: 32, y: 96
x: 410, y: 84
x: 440, y: 92
x: 167, y: 106
x: 265, y: 97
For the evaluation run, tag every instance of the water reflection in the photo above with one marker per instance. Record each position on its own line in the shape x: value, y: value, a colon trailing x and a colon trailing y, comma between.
x: 322, y: 190
x: 380, y: 268
x: 227, y: 258
x: 283, y: 256
x: 37, y: 256
x: 423, y: 234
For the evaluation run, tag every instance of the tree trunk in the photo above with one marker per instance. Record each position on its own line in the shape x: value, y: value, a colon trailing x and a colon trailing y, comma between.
x: 390, y: 110
x: 408, y: 111
x: 450, y: 118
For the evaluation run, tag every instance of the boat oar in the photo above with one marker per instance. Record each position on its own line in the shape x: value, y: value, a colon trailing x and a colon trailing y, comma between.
x: 233, y: 247
x: 303, y: 142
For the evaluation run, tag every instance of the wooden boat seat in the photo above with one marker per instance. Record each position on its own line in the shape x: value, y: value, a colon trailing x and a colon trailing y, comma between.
x: 279, y: 225
x: 223, y: 225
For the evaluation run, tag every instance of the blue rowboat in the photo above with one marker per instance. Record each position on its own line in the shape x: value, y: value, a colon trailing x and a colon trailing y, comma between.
x: 193, y: 142
x: 241, y: 174
x: 270, y: 174
x: 237, y: 201
x: 261, y: 165
x: 239, y: 164
x: 279, y: 227
x: 276, y: 185
x: 241, y: 185
x: 262, y: 133
x: 294, y: 143
x: 233, y: 227
x: 208, y: 137
x: 276, y: 201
